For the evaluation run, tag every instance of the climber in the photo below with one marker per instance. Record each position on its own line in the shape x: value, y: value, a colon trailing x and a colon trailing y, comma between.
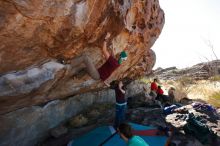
x: 106, y: 69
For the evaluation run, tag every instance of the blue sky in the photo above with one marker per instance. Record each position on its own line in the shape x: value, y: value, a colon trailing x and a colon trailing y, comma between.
x: 189, y: 26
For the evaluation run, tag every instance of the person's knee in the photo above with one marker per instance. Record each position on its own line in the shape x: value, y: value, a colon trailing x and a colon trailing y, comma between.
x: 96, y: 77
x: 86, y: 58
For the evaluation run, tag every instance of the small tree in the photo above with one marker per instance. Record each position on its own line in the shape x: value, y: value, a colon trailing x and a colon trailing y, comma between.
x: 213, y: 64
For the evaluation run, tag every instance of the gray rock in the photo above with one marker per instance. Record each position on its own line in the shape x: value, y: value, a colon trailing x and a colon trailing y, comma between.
x: 23, y: 82
x: 58, y: 131
x: 27, y: 126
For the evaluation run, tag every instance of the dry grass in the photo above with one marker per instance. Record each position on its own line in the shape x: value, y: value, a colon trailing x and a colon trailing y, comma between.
x: 186, y: 81
x: 214, y: 99
x: 205, y: 90
x: 171, y: 82
x: 215, y: 78
x: 186, y: 87
x: 208, y: 91
x: 145, y: 80
x: 181, y: 91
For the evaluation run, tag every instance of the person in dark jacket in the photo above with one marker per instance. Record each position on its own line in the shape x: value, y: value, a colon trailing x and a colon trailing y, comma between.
x: 121, y: 103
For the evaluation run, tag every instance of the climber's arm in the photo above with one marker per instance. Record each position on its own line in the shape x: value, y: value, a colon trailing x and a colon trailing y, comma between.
x: 113, y: 51
x: 121, y: 88
x: 104, y: 48
x: 105, y: 51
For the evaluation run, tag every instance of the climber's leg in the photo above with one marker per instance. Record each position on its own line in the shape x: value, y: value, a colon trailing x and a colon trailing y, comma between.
x: 90, y: 67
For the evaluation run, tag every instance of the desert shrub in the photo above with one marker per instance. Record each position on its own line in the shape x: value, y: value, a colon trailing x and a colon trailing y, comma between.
x: 180, y: 93
x: 214, y: 99
x: 170, y: 82
x: 181, y: 88
x: 145, y: 80
x: 186, y: 80
x: 215, y: 78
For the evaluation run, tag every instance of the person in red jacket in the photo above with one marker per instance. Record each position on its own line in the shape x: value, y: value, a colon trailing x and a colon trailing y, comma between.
x: 160, y: 95
x: 154, y: 88
x: 103, y: 72
x: 159, y: 91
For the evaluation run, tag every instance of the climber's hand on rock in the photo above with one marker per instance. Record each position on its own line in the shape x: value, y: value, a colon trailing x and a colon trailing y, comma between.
x: 107, y: 84
x: 107, y: 35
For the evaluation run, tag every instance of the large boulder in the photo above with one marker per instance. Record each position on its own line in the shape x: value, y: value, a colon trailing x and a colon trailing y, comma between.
x: 34, y: 34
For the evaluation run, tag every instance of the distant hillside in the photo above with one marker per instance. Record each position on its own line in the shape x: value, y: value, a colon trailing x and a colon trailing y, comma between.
x: 199, y: 71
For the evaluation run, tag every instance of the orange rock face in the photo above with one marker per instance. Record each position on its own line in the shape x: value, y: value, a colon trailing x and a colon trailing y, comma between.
x: 34, y: 34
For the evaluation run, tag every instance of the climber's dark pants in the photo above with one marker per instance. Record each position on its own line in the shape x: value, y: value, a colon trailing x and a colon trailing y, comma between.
x: 90, y: 67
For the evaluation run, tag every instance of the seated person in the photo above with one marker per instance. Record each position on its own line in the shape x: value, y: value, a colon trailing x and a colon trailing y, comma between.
x: 125, y: 133
x: 171, y: 94
x: 153, y: 87
x: 159, y: 93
